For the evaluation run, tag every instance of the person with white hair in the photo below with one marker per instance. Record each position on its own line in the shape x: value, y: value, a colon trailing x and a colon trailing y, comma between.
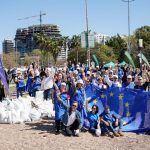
x: 80, y: 97
x: 140, y: 84
x: 61, y: 93
x: 47, y: 84
x: 129, y: 84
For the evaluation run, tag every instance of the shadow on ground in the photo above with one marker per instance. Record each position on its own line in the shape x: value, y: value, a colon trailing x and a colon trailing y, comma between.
x: 45, y: 125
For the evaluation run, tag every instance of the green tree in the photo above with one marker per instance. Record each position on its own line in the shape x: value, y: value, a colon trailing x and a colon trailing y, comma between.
x: 119, y: 46
x: 104, y: 54
x: 143, y: 33
x: 9, y: 60
x: 82, y: 56
x: 76, y: 46
x: 49, y: 45
x: 55, y: 47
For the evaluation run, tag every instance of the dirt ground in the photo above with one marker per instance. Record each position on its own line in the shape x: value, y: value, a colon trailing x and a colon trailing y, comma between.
x: 40, y: 136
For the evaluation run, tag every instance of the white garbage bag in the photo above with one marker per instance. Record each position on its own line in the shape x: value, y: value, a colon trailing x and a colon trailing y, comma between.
x: 15, y: 116
x: 34, y: 114
x: 39, y: 95
x: 3, y: 114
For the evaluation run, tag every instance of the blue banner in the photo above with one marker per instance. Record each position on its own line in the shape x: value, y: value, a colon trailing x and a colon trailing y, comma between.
x: 133, y: 106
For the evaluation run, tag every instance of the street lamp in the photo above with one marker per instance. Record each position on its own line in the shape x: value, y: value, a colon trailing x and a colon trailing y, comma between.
x: 129, y: 44
x: 87, y: 35
x: 140, y: 48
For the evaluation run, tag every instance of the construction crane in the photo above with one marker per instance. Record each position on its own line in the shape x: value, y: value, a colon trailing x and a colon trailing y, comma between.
x: 41, y: 14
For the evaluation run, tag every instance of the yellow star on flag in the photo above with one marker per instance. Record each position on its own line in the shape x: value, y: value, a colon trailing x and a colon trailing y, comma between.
x: 111, y: 94
x: 120, y: 97
x: 126, y: 104
x: 128, y: 114
x: 95, y: 101
x: 102, y: 96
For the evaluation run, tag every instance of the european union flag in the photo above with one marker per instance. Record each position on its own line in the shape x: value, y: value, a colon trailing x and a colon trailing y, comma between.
x: 133, y: 106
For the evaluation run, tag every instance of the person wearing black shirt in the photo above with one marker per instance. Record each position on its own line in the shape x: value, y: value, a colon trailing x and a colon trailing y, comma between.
x: 2, y: 92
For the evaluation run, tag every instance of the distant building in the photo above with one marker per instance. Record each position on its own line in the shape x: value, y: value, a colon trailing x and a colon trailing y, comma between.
x: 91, y: 39
x: 101, y: 38
x: 63, y: 55
x: 24, y: 38
x: 8, y: 46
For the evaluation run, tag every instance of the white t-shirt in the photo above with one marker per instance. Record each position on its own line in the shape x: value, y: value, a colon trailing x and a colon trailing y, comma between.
x: 71, y: 119
x: 47, y: 83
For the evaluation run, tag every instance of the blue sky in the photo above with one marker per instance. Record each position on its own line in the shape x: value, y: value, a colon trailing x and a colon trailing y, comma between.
x: 105, y: 16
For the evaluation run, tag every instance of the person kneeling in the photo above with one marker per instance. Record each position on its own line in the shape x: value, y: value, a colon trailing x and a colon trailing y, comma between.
x: 110, y: 123
x: 72, y: 120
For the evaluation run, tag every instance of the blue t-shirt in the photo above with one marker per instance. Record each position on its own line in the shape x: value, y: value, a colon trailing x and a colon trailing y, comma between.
x: 93, y: 119
x: 110, y: 117
x: 59, y: 107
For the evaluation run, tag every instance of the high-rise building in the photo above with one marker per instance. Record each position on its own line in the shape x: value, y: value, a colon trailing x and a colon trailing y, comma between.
x: 8, y: 46
x: 63, y: 55
x: 24, y: 39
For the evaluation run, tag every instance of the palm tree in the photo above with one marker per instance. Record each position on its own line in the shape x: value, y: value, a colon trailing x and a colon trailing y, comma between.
x: 50, y: 45
x: 56, y: 46
x: 76, y: 44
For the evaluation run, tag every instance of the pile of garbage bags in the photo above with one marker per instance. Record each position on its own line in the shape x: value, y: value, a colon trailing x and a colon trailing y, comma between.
x: 25, y: 109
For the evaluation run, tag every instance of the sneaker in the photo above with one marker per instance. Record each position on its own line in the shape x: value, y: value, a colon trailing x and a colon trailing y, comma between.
x: 57, y: 132
x: 120, y: 133
x: 76, y: 132
x: 110, y: 135
x: 116, y: 134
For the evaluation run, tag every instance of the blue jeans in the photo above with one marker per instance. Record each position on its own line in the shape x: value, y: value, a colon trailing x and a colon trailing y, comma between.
x: 112, y: 127
x: 20, y: 91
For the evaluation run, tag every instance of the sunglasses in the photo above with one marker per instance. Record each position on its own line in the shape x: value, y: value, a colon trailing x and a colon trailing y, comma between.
x: 94, y: 108
x: 74, y: 105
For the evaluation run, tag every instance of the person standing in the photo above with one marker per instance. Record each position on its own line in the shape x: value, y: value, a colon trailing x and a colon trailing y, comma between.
x: 20, y: 84
x: 2, y: 91
x: 80, y: 97
x: 60, y: 101
x: 36, y: 84
x: 30, y: 80
x: 47, y: 85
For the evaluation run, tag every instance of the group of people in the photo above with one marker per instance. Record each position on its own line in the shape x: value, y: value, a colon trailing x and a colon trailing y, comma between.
x: 66, y: 87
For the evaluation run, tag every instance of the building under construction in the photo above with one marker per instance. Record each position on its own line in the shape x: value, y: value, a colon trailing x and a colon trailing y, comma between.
x: 24, y: 38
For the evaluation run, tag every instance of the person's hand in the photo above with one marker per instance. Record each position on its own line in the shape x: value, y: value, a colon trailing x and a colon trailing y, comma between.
x: 54, y: 79
x: 58, y: 95
x: 116, y: 123
x: 88, y: 99
x: 106, y: 123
